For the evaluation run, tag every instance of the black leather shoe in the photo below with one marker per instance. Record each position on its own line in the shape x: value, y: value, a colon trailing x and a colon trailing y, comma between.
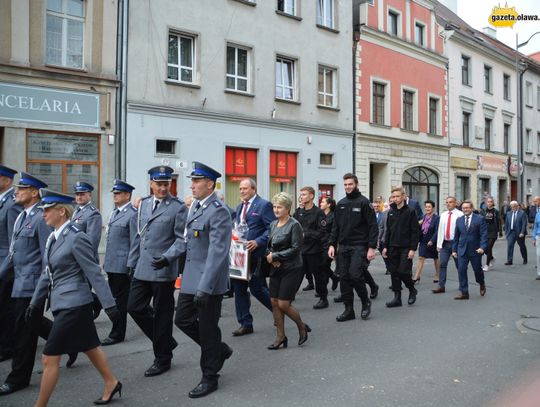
x: 156, y: 370
x: 110, y: 341
x: 338, y: 299
x: 202, y: 389
x: 508, y: 263
x: 226, y: 353
x: 374, y: 292
x: 5, y: 356
x: 412, y: 296
x: 335, y: 282
x: 347, y: 315
x: 7, y: 388
x: 308, y: 287
x: 396, y: 301
x: 366, y: 310
x: 323, y: 303
x: 72, y: 358
x: 524, y: 261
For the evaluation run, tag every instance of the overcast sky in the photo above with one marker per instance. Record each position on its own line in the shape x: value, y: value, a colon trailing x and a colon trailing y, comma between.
x: 476, y: 13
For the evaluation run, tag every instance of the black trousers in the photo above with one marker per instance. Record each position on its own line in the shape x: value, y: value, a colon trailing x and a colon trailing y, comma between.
x: 489, y: 250
x: 400, y: 267
x: 351, y: 267
x: 119, y: 284
x: 7, y: 318
x: 156, y: 320
x: 201, y: 325
x: 26, y: 337
x: 313, y: 264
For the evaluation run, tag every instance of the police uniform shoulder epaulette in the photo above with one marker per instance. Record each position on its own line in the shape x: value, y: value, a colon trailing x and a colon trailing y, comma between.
x: 92, y: 207
x: 147, y: 197
x: 73, y: 228
x: 217, y: 204
x: 133, y: 208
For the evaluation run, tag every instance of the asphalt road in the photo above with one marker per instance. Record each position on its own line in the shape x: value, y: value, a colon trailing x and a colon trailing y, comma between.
x: 439, y: 352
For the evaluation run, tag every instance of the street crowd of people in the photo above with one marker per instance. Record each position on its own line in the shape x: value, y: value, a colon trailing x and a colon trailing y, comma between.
x: 49, y: 262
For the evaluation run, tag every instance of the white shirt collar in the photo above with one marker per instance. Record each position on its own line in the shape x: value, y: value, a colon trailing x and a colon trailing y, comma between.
x: 85, y: 205
x: 58, y: 231
x: 7, y: 191
x: 202, y: 201
x: 30, y: 209
x: 120, y: 209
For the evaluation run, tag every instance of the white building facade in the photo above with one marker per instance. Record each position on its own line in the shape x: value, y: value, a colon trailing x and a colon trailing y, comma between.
x: 251, y: 88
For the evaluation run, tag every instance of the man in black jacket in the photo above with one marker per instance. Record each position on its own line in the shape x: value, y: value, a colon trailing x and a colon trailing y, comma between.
x: 354, y: 233
x: 312, y: 219
x: 400, y: 243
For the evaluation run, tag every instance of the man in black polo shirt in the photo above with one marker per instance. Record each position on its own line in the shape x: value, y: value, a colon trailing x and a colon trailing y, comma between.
x: 354, y: 234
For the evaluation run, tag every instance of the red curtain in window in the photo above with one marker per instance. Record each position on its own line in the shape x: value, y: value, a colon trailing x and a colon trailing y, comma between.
x: 240, y: 162
x: 282, y: 164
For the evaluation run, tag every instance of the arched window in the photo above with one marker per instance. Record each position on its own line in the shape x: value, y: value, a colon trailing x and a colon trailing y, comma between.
x: 421, y: 184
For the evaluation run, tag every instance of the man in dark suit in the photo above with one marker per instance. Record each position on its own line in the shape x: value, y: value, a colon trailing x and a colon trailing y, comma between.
x: 9, y: 210
x: 515, y: 229
x: 206, y: 276
x: 470, y: 243
x: 257, y: 213
x: 414, y: 204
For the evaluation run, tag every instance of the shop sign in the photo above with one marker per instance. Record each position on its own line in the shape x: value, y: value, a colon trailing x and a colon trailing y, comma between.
x: 283, y: 180
x: 491, y: 164
x: 513, y: 169
x: 466, y: 163
x: 46, y: 105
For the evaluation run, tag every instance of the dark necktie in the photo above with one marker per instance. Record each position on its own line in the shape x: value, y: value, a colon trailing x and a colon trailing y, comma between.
x: 51, y: 244
x: 244, y: 211
x: 467, y: 222
x: 156, y: 204
x: 21, y: 221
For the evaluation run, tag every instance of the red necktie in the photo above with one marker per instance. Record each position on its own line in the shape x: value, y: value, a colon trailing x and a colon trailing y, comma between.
x: 448, y: 223
x: 244, y: 211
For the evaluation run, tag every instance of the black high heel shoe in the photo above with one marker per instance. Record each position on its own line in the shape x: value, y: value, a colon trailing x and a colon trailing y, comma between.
x: 117, y: 389
x: 275, y: 346
x: 304, y: 338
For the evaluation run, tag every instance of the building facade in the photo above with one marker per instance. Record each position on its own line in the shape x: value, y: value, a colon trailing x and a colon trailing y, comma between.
x: 482, y: 97
x: 57, y: 91
x: 531, y: 127
x: 401, y: 85
x: 249, y: 94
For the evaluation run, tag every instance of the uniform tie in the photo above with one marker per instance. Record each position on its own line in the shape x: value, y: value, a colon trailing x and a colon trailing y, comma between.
x: 21, y: 221
x: 156, y: 204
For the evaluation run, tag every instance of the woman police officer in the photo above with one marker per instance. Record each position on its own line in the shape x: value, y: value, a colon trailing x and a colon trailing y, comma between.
x: 70, y: 263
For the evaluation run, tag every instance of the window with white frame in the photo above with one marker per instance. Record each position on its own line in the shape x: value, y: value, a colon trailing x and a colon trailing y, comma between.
x: 506, y: 138
x: 434, y: 115
x: 487, y: 133
x: 465, y: 70
x: 528, y: 141
x: 408, y: 110
x: 506, y: 87
x: 528, y: 94
x: 65, y: 33
x: 181, y: 58
x: 379, y: 94
x: 487, y: 79
x: 538, y: 142
x: 419, y: 32
x: 393, y: 22
x: 325, y: 13
x: 466, y: 128
x: 287, y: 6
x: 238, y: 66
x: 285, y: 78
x: 327, y: 87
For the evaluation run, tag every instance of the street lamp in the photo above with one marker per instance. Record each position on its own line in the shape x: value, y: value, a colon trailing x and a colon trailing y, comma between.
x: 519, y: 78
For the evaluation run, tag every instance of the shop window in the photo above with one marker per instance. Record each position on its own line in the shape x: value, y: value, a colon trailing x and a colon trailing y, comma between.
x: 240, y: 163
x: 283, y: 174
x: 60, y: 160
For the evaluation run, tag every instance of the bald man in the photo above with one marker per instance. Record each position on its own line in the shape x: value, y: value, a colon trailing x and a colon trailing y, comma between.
x: 515, y: 228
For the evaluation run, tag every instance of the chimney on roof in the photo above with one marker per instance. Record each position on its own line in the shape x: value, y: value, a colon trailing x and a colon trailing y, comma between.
x: 492, y: 32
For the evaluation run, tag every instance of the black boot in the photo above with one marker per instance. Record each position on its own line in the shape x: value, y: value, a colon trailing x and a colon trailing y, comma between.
x: 338, y: 299
x: 412, y: 296
x: 396, y: 302
x: 347, y: 315
x: 309, y: 287
x: 366, y: 309
x: 374, y: 292
x: 335, y: 281
x: 323, y: 303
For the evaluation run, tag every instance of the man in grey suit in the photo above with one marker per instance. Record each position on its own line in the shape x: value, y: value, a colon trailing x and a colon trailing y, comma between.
x: 9, y: 210
x: 30, y: 233
x: 160, y: 223
x: 206, y: 276
x: 88, y: 218
x: 121, y: 233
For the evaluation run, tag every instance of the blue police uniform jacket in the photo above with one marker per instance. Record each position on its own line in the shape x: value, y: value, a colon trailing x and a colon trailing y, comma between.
x: 121, y: 234
x: 9, y: 210
x: 68, y: 267
x: 160, y: 233
x: 88, y: 219
x: 25, y: 258
x: 207, y: 245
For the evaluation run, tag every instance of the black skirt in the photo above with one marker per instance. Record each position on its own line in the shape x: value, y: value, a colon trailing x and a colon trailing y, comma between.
x: 73, y: 330
x: 284, y: 283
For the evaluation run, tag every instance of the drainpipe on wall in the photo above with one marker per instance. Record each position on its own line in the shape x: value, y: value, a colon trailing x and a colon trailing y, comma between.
x: 121, y: 73
x: 356, y: 38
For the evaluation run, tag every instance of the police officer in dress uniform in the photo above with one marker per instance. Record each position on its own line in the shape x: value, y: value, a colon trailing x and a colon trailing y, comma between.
x: 30, y: 233
x: 70, y: 263
x: 121, y: 233
x: 160, y: 223
x: 88, y: 218
x: 9, y: 210
x: 206, y: 276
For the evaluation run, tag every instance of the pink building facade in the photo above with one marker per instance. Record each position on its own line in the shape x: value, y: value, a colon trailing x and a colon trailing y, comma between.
x: 401, y: 99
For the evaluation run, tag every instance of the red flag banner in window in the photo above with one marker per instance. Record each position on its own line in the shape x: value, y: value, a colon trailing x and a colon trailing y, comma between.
x: 282, y: 165
x: 240, y: 161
